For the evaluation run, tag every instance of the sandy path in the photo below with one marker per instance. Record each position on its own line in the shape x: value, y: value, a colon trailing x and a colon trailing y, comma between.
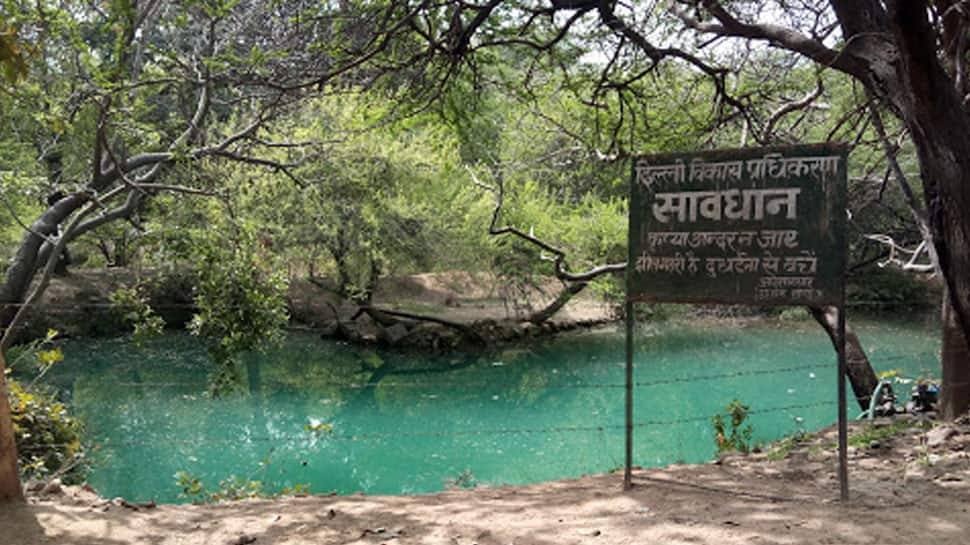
x: 737, y: 502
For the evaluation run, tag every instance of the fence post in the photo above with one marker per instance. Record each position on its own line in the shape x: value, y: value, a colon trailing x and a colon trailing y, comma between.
x: 628, y: 466
x: 843, y: 424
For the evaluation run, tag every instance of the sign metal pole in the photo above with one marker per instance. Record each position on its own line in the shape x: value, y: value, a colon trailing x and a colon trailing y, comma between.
x: 628, y: 467
x: 761, y: 226
x: 843, y: 423
x: 628, y: 313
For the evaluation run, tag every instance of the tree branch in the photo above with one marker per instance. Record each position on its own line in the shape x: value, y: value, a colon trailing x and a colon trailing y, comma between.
x: 560, y: 255
x: 779, y: 35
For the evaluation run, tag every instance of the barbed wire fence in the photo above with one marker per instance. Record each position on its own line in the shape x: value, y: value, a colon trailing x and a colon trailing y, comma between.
x: 308, y: 437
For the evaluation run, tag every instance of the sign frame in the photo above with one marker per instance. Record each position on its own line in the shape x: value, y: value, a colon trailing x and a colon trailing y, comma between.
x: 710, y: 184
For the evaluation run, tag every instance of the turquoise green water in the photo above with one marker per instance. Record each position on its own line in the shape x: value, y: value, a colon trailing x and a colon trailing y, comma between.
x: 407, y: 423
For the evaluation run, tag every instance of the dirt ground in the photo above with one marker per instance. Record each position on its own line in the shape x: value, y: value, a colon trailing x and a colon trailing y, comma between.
x: 908, y: 486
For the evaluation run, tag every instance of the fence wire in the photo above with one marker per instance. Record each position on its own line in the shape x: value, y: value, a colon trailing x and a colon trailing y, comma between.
x: 315, y: 437
x: 310, y: 439
x: 439, y: 384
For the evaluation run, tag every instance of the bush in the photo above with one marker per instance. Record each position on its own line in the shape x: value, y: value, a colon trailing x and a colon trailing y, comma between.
x: 887, y: 288
x: 48, y: 437
x: 133, y: 309
x: 733, y: 435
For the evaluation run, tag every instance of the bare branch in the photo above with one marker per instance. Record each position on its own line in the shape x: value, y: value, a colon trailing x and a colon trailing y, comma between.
x: 16, y: 218
x: 910, y: 264
x: 560, y: 255
x: 779, y: 35
x: 790, y: 107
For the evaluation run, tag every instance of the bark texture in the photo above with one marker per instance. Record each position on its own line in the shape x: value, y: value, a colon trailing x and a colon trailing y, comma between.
x: 565, y: 295
x: 27, y: 259
x: 861, y: 376
x: 955, y: 400
x: 10, y: 489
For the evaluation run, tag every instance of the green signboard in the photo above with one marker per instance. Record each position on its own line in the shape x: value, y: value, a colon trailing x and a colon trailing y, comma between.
x: 759, y: 226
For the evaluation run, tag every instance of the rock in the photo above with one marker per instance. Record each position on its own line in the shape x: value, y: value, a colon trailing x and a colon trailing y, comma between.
x: 328, y: 329
x: 34, y: 485
x: 367, y: 328
x: 348, y: 331
x: 53, y: 487
x: 940, y: 435
x: 528, y: 329
x: 870, y: 464
x: 393, y: 335
x: 914, y: 472
x: 506, y: 330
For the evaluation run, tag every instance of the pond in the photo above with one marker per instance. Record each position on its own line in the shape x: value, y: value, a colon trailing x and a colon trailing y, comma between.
x: 352, y: 419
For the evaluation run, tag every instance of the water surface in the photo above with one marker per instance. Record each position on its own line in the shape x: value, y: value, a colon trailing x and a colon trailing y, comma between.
x: 406, y: 422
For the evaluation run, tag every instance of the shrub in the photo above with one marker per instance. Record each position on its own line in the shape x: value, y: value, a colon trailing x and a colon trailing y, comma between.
x: 738, y: 437
x: 48, y: 437
x: 133, y: 309
x: 887, y: 288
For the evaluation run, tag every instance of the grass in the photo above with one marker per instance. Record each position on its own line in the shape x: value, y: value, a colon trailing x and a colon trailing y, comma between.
x: 781, y: 449
x: 872, y: 432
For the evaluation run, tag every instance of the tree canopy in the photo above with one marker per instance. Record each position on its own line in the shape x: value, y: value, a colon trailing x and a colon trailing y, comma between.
x: 257, y: 140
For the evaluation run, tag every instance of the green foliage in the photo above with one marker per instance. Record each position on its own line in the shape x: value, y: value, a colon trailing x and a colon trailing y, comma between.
x: 465, y: 479
x: 13, y: 54
x: 38, y: 356
x: 19, y: 197
x: 48, y: 437
x: 233, y: 488
x: 241, y: 307
x: 794, y: 314
x: 887, y: 289
x: 881, y: 432
x: 730, y: 431
x: 135, y: 312
x: 781, y: 449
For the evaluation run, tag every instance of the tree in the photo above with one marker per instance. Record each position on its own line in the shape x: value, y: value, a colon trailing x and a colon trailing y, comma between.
x: 119, y: 95
x: 13, y: 53
x: 143, y: 87
x: 9, y: 478
x: 909, y: 56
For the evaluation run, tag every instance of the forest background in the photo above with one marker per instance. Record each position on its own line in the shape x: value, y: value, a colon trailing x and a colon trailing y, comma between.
x: 248, y: 143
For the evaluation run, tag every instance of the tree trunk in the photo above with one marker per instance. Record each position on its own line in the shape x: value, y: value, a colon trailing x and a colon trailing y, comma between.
x: 939, y: 123
x: 560, y: 301
x: 27, y: 260
x: 858, y: 369
x: 9, y: 479
x: 955, y: 355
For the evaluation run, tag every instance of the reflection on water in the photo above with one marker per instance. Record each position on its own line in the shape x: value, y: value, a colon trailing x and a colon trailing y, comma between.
x: 405, y: 422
